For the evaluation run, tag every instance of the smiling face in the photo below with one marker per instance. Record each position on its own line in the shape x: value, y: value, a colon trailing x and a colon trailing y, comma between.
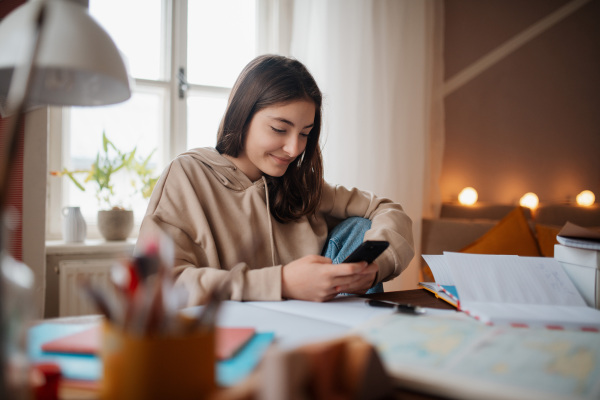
x: 276, y: 136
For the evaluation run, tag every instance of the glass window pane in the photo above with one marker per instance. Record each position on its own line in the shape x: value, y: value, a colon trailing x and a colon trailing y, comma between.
x: 221, y: 40
x: 137, y: 123
x: 204, y: 116
x: 136, y: 27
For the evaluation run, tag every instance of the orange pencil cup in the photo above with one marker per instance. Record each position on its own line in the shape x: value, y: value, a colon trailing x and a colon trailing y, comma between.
x: 157, y: 367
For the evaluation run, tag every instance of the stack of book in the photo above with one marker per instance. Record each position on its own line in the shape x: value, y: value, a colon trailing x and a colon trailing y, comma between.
x: 578, y: 252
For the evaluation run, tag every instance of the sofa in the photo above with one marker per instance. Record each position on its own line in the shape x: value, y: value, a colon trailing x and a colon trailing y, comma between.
x: 465, y: 228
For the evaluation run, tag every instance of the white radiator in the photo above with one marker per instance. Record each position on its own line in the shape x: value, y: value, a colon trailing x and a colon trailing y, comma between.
x: 72, y: 300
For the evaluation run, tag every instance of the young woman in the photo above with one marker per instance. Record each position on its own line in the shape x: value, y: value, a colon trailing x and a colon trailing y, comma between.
x: 256, y: 211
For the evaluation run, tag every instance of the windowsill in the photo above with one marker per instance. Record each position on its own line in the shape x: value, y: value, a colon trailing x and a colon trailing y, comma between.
x: 89, y: 246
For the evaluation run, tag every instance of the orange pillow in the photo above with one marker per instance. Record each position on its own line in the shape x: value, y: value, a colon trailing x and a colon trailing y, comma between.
x: 511, y: 235
x: 546, y: 236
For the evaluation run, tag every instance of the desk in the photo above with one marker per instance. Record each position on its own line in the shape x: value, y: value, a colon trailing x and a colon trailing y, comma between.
x: 292, y: 329
x: 407, y: 339
x: 417, y: 297
x: 294, y: 322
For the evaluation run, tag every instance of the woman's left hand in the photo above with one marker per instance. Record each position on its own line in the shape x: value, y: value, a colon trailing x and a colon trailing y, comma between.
x: 361, y: 281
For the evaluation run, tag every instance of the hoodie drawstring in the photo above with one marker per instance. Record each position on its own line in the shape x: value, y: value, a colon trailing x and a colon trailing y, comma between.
x: 269, y: 220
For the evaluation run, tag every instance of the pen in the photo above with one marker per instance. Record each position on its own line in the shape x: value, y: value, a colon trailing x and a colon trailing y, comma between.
x: 401, y: 308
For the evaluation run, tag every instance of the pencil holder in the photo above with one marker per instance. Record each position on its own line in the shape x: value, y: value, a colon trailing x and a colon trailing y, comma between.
x: 157, y: 367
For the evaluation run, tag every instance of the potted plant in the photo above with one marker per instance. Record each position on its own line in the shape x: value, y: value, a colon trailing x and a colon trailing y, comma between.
x: 114, y: 221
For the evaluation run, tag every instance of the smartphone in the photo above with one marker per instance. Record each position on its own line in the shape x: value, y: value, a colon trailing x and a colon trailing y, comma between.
x: 368, y: 251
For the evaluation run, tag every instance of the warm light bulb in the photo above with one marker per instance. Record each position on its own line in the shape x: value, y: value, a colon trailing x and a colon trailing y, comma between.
x: 529, y: 200
x: 585, y: 198
x: 467, y: 196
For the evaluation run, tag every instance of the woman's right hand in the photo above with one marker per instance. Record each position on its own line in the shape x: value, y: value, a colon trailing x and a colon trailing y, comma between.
x: 315, y: 278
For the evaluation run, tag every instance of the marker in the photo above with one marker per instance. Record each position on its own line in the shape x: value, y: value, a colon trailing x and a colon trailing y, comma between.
x: 401, y: 308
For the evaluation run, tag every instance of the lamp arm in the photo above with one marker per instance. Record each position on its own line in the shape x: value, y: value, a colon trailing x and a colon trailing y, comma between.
x: 20, y: 86
x: 17, y: 94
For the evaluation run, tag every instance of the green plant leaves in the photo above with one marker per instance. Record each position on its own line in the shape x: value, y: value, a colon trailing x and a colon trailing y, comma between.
x: 109, y: 161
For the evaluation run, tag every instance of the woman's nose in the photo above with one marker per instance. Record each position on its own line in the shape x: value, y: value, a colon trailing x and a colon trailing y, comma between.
x: 292, y: 146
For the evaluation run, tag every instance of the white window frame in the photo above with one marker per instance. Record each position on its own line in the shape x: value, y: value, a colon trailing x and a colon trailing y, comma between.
x: 272, y: 36
x: 175, y: 113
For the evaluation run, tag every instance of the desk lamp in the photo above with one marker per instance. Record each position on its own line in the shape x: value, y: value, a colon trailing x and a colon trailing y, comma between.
x: 51, y: 53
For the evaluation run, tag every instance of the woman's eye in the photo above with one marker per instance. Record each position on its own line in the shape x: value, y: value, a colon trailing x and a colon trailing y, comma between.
x: 304, y: 135
x: 278, y: 130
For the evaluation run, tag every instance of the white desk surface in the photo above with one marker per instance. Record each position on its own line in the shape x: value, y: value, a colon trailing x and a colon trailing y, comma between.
x: 300, y: 322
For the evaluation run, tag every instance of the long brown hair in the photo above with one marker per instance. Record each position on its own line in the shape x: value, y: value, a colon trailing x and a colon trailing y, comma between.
x: 265, y: 81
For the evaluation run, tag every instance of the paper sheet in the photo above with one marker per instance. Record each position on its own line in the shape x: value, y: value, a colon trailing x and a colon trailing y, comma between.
x: 512, y: 279
x: 348, y: 311
x: 440, y: 269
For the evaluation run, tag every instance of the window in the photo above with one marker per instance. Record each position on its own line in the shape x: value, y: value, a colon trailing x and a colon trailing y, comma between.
x: 184, y: 57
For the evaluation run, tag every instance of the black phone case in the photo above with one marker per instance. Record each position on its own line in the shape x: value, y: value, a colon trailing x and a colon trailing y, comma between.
x: 368, y: 251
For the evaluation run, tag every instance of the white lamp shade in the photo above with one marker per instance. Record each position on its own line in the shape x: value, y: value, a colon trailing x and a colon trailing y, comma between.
x: 77, y: 64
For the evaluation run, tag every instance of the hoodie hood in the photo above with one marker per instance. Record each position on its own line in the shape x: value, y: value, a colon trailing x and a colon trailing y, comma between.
x: 222, y: 168
x: 232, y: 178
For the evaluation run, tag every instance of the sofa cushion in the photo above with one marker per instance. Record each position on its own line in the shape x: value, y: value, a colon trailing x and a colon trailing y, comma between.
x: 546, y: 237
x: 512, y: 235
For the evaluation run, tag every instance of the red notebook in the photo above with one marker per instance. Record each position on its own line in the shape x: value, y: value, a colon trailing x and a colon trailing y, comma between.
x: 228, y: 342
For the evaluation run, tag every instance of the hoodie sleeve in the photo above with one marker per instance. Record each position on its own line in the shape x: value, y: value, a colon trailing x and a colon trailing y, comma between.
x: 388, y: 222
x: 174, y: 210
x: 198, y: 278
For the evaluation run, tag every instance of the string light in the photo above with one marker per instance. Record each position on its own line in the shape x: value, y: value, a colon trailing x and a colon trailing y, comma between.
x: 585, y: 198
x: 467, y: 196
x: 529, y: 200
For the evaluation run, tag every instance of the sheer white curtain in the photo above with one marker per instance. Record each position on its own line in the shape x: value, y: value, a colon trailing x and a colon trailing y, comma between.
x: 379, y: 65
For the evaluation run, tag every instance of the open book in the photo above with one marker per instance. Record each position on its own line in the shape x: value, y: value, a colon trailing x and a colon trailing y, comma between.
x: 513, y: 290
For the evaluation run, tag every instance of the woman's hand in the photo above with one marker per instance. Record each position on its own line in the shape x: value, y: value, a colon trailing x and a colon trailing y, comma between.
x: 315, y: 278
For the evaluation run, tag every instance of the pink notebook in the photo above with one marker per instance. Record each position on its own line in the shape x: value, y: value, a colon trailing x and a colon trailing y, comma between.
x: 83, y: 342
x: 228, y: 342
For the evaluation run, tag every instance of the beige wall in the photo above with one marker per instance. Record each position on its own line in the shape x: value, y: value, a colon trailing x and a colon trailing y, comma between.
x: 529, y: 119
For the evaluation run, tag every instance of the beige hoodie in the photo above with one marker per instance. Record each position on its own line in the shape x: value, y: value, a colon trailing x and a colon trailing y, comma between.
x: 222, y: 228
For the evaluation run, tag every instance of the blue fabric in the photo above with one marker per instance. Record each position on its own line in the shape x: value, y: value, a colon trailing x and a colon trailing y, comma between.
x: 344, y: 239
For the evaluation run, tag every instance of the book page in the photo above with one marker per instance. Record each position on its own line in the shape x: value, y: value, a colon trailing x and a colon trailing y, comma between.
x: 440, y: 269
x: 512, y: 279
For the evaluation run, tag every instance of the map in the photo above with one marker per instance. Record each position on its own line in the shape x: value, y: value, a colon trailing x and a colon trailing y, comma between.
x: 537, y: 362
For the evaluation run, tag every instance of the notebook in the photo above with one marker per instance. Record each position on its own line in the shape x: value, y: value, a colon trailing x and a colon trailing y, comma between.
x: 75, y: 347
x: 578, y: 236
x: 447, y: 293
x: 227, y: 341
x: 514, y: 291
